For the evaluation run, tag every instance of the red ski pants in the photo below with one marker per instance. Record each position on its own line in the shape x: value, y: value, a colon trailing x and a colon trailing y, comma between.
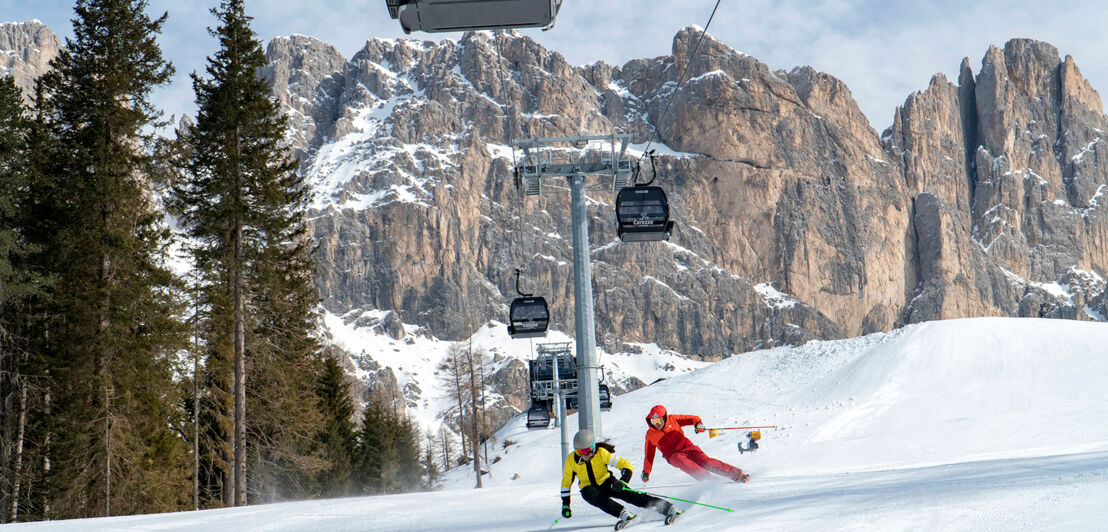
x: 698, y: 464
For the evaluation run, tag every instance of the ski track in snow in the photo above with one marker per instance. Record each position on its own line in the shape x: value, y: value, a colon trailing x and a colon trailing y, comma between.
x: 965, y: 425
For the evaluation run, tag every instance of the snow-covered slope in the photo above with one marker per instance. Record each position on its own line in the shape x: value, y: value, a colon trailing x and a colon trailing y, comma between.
x: 414, y: 360
x: 926, y: 395
x: 977, y: 424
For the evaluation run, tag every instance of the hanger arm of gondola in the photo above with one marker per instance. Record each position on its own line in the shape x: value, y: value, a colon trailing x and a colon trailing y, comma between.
x: 518, y: 291
x: 653, y: 167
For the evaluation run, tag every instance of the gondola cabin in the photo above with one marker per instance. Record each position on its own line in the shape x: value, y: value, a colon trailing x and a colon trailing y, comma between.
x: 538, y: 416
x: 468, y: 15
x: 528, y: 317
x: 604, y: 396
x: 643, y: 214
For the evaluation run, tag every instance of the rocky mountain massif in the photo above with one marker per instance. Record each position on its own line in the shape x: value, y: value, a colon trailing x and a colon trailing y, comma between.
x: 796, y: 220
x: 983, y: 197
x: 26, y: 49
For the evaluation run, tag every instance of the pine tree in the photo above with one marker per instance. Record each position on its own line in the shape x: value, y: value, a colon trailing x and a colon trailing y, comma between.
x: 245, y: 203
x: 453, y: 377
x: 26, y: 316
x: 447, y: 451
x: 464, y: 374
x: 18, y: 285
x: 388, y: 454
x: 114, y: 321
x: 410, y: 468
x: 216, y: 405
x: 15, y: 131
x: 430, y: 468
x: 376, y: 461
x: 337, y: 437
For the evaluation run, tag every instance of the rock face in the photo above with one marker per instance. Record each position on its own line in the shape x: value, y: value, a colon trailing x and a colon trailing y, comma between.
x: 307, y: 77
x: 795, y: 219
x: 1008, y: 171
x: 26, y: 49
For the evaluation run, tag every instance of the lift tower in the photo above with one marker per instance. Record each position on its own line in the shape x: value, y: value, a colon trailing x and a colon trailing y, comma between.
x: 551, y: 159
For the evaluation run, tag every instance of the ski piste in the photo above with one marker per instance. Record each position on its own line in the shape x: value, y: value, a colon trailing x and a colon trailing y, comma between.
x: 624, y: 523
x: 637, y: 522
x: 714, y: 480
x: 666, y: 521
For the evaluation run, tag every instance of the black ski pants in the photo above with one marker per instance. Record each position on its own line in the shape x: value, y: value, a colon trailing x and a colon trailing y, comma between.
x: 601, y: 497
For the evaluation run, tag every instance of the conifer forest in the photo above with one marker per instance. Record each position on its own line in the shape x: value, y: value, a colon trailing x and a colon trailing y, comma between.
x: 126, y: 387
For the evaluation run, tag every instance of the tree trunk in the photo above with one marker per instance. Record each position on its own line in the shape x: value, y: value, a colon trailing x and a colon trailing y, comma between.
x: 105, y: 371
x: 196, y: 408
x: 458, y: 394
x: 227, y: 477
x: 17, y: 460
x: 445, y: 449
x: 7, y: 430
x: 475, y: 415
x: 108, y: 457
x: 14, y: 388
x: 240, y: 341
x: 484, y: 422
x: 46, y: 465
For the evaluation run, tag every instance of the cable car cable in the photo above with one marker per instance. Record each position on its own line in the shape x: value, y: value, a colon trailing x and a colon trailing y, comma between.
x: 524, y: 301
x: 680, y: 83
x: 642, y: 211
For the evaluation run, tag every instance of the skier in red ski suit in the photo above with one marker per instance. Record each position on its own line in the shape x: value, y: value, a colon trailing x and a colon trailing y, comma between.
x: 665, y: 433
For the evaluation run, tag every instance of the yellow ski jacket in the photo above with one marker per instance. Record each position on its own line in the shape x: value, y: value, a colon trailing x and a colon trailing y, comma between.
x: 598, y: 464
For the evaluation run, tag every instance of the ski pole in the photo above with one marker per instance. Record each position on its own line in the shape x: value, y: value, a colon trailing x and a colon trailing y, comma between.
x: 712, y: 433
x: 679, y: 499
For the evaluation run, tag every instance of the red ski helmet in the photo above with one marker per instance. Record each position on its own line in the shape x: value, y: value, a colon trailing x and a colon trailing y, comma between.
x: 658, y: 411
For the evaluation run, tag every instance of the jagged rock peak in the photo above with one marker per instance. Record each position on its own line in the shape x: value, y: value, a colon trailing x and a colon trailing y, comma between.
x: 1008, y: 171
x: 30, y: 47
x: 397, y: 55
x: 1030, y: 65
x: 302, y: 45
x: 305, y: 74
x: 1035, y: 69
x: 711, y: 55
x: 826, y: 95
x: 299, y: 57
x: 1076, y: 90
x: 790, y: 186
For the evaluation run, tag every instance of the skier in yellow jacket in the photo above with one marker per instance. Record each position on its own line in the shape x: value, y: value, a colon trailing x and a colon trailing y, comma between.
x: 589, y: 463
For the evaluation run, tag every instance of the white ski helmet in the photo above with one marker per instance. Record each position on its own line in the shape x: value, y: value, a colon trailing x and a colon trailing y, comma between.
x: 584, y: 438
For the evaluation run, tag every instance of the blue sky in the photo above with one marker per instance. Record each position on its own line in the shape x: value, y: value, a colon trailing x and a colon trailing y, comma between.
x: 884, y: 50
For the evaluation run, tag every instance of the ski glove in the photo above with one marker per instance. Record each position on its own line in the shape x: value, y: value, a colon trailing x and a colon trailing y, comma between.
x: 645, y: 476
x: 566, y: 512
x: 700, y: 428
x: 625, y: 475
x: 619, y: 485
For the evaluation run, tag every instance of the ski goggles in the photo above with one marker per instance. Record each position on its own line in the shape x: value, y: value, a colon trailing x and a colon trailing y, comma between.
x: 586, y: 451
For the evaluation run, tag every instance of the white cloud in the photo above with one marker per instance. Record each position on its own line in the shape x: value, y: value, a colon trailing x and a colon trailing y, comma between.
x: 883, y: 50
